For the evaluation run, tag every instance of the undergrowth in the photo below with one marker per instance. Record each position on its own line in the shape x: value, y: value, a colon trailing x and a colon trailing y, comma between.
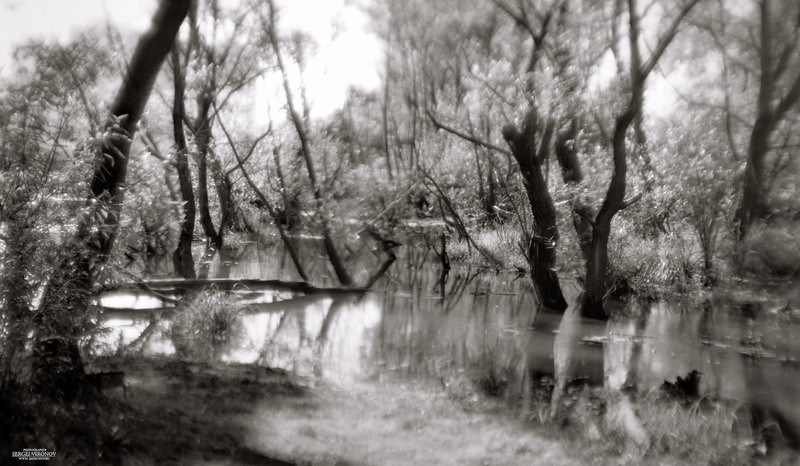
x: 207, y: 325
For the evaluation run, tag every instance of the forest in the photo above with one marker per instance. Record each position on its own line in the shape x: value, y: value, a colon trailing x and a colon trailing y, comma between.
x: 573, y: 225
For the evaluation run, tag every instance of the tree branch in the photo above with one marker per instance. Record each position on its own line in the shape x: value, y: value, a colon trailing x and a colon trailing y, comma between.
x: 270, y: 209
x: 667, y: 38
x: 465, y: 136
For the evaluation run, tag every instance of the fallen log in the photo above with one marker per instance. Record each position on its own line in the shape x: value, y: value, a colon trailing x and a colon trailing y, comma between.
x: 224, y: 284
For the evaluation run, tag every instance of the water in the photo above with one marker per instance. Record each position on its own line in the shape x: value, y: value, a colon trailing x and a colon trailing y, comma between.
x: 484, y: 327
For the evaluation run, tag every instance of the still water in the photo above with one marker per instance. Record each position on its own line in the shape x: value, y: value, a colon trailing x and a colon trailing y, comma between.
x: 480, y: 326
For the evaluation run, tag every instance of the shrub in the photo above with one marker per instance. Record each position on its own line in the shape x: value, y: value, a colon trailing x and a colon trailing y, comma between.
x: 206, y: 326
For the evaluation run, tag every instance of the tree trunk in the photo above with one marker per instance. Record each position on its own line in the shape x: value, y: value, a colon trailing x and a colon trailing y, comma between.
x: 753, y: 207
x: 542, y: 247
x: 56, y: 363
x: 385, y: 111
x: 566, y: 149
x: 229, y: 216
x: 597, y: 263
x: 182, y: 257
x: 772, y: 107
x: 327, y: 235
x: 202, y: 138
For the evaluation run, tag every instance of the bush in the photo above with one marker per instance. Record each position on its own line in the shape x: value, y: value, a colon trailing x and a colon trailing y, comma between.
x: 207, y: 326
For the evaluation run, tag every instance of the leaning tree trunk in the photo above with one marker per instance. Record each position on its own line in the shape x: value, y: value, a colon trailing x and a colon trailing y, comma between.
x: 542, y: 247
x: 305, y: 149
x: 57, y: 367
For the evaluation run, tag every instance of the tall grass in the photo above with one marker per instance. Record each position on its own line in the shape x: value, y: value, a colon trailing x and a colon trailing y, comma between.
x: 207, y: 325
x: 659, y: 430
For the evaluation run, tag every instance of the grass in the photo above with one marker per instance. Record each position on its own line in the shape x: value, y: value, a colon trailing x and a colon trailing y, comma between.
x: 660, y: 430
x: 207, y: 325
x: 245, y: 414
x: 656, y: 267
x: 700, y: 433
x: 184, y: 412
x: 501, y: 242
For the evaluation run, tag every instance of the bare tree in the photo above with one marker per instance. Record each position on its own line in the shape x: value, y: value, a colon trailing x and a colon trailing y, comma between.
x: 270, y: 27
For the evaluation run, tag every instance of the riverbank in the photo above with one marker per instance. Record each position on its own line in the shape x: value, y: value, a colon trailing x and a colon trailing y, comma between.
x: 214, y: 413
x: 200, y: 413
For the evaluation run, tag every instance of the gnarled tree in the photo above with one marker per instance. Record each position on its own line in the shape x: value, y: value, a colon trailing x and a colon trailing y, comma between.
x: 639, y: 70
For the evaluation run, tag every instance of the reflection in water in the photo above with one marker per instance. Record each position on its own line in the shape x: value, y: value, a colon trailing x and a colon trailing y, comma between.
x: 486, y: 328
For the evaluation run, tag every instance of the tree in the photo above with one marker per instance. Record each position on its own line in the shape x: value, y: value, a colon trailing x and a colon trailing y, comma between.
x: 182, y: 257
x: 531, y: 140
x: 778, y: 36
x: 221, y: 67
x: 56, y: 364
x: 269, y: 25
x: 597, y: 261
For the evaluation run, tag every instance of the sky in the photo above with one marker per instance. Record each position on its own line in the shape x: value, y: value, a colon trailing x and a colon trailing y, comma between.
x: 348, y: 54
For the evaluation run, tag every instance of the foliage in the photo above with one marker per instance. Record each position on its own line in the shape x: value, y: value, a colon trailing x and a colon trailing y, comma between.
x: 206, y: 326
x: 703, y: 433
x: 89, y: 432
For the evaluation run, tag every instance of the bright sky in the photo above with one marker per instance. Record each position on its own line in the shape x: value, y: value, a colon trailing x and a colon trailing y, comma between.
x: 347, y: 52
x: 59, y: 19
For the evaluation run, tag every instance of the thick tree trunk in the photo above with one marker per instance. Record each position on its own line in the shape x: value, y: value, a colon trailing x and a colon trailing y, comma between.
x: 182, y: 257
x: 597, y: 263
x: 772, y: 107
x: 752, y: 207
x: 56, y: 363
x: 542, y: 248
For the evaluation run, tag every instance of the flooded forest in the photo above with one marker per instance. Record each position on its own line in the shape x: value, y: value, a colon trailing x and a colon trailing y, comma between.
x: 376, y: 232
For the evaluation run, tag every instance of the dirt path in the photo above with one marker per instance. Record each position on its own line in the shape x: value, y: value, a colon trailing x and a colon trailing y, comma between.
x: 399, y: 425
x: 193, y: 413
